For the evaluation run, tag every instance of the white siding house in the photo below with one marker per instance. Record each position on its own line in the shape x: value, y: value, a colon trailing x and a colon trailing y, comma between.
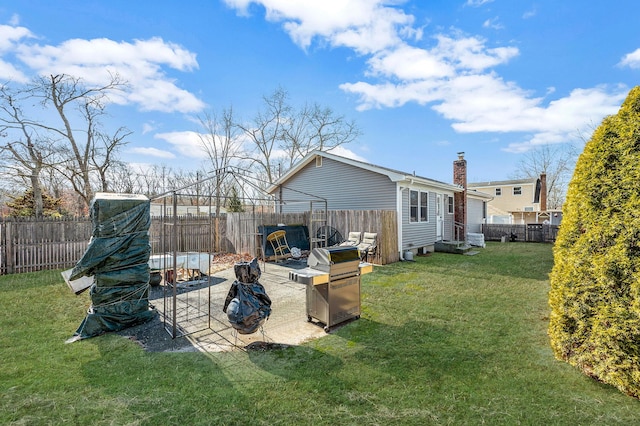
x: 424, y: 206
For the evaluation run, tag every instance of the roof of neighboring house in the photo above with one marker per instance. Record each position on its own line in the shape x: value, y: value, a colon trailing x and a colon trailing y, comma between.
x: 478, y: 194
x: 502, y: 182
x: 394, y: 175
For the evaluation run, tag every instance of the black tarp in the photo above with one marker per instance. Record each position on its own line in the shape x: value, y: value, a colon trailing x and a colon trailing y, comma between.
x: 247, y: 304
x: 297, y: 236
x: 117, y: 258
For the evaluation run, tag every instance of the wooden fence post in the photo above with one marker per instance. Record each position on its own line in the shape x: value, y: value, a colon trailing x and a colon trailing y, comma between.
x: 9, y: 248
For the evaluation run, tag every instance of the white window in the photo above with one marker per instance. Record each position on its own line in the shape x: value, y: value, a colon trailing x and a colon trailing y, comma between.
x: 528, y: 209
x: 517, y: 190
x: 418, y: 206
x: 424, y: 207
x: 450, y: 205
x: 498, y: 192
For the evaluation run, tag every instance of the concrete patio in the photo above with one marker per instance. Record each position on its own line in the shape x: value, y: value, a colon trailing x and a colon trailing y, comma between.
x: 211, y: 332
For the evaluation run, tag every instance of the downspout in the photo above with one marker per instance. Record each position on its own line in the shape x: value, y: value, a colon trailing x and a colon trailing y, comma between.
x: 399, y: 221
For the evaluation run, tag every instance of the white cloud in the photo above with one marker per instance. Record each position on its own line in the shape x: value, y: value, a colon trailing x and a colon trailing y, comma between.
x: 152, y: 152
x: 186, y: 143
x: 471, y: 53
x: 493, y: 23
x: 15, y: 20
x: 572, y: 117
x: 486, y: 104
x: 363, y: 25
x: 477, y: 3
x: 143, y: 64
x: 455, y: 75
x: 148, y: 127
x: 409, y: 63
x: 631, y: 60
x: 344, y: 152
x: 10, y: 37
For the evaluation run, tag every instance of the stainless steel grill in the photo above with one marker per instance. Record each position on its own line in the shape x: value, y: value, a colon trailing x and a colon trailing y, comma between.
x: 332, y: 277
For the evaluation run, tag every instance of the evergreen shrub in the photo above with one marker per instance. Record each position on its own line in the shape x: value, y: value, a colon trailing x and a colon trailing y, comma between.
x: 595, y: 281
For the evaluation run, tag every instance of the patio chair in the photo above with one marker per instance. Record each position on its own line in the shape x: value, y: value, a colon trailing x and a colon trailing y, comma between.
x: 368, y: 245
x: 353, y: 239
x: 278, y: 240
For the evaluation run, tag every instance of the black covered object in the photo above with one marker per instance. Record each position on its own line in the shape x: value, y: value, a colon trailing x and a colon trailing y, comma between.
x: 247, y: 304
x: 117, y: 257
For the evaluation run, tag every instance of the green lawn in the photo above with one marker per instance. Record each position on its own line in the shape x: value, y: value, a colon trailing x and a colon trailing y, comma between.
x: 446, y: 339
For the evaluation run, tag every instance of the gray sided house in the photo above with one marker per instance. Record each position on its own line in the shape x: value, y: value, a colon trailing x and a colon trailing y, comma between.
x: 425, y: 207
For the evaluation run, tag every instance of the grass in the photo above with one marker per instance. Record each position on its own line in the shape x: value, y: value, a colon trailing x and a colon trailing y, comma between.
x: 446, y: 339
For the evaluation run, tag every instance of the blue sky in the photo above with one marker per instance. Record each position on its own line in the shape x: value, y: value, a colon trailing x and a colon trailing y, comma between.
x: 423, y: 79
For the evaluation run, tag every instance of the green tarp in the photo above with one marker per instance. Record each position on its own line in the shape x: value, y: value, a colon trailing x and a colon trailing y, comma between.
x: 117, y: 258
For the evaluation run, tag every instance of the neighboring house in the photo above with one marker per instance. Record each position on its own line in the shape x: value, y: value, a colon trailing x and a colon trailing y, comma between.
x: 426, y: 208
x: 521, y: 201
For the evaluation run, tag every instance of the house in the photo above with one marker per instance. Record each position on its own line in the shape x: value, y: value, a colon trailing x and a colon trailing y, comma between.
x: 427, y: 210
x: 521, y: 201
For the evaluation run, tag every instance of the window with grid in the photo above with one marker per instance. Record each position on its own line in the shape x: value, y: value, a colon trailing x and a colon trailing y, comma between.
x: 418, y: 206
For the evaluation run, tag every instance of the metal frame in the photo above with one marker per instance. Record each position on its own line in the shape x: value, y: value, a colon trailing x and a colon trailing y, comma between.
x: 184, y: 312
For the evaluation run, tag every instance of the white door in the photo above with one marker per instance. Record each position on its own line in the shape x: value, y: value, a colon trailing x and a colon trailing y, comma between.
x: 439, y: 217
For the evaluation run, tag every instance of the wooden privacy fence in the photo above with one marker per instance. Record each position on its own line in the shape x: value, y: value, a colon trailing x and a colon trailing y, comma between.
x: 382, y: 222
x: 240, y: 234
x: 29, y: 244
x: 533, y: 232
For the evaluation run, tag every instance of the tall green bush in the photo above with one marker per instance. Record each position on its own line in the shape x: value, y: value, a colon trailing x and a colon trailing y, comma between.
x: 595, y: 281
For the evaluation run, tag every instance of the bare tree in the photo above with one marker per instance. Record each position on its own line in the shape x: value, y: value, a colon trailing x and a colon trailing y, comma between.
x: 119, y: 177
x: 557, y: 162
x: 316, y: 128
x: 282, y: 135
x: 23, y: 151
x: 86, y: 148
x: 266, y: 131
x: 221, y: 142
x: 102, y: 155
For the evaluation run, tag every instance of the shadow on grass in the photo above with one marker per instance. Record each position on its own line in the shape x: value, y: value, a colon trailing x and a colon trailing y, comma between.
x: 299, y: 363
x: 416, y: 351
x: 160, y: 388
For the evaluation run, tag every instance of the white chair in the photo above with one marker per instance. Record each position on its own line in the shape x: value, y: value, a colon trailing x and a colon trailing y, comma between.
x: 368, y: 245
x: 353, y: 239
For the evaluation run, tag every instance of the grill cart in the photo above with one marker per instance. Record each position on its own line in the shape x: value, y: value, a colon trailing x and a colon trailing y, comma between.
x: 332, y: 277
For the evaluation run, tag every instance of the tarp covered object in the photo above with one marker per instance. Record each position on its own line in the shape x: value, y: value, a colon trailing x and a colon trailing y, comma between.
x: 247, y: 304
x: 118, y: 259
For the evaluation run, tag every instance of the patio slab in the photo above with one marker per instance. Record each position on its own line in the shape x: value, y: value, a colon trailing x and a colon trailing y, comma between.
x: 205, y: 327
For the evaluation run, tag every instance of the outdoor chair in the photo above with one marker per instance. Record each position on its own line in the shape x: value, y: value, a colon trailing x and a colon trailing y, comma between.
x: 353, y: 239
x: 278, y: 240
x: 368, y: 245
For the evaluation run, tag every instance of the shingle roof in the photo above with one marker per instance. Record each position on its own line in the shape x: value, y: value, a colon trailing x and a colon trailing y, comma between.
x: 395, y: 175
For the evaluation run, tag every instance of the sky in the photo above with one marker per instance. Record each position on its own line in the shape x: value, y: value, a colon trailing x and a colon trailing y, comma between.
x: 423, y: 80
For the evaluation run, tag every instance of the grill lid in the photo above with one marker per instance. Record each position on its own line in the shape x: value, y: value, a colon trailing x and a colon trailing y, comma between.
x: 332, y: 255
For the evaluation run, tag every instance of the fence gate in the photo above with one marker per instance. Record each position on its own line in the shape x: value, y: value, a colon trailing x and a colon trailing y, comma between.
x: 535, y: 232
x: 186, y: 307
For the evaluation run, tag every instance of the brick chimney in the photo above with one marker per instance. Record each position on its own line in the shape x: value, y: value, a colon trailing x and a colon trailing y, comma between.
x: 460, y: 198
x: 543, y: 192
